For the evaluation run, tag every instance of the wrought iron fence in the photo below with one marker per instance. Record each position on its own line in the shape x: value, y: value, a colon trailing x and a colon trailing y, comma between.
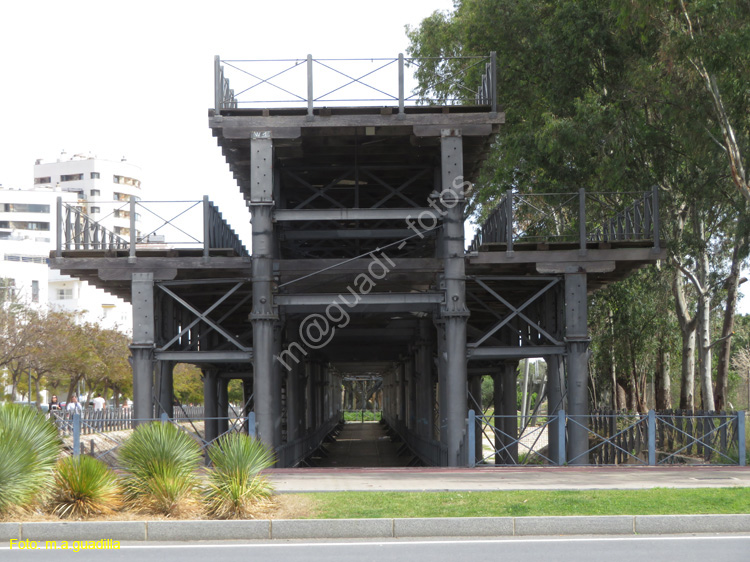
x: 615, y: 438
x: 184, y: 224
x: 310, y: 82
x: 430, y: 451
x: 579, y: 218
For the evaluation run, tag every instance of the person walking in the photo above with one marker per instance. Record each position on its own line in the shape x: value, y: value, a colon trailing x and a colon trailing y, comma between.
x: 99, y: 403
x: 74, y: 405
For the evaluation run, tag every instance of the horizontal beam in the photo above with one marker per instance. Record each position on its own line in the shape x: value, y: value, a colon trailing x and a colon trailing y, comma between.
x: 204, y: 356
x: 324, y: 299
x: 569, y: 257
x: 427, y: 214
x: 347, y: 234
x: 485, y: 353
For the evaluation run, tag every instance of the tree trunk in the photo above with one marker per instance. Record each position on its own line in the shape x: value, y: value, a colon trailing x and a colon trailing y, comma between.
x: 662, y: 382
x: 725, y: 351
x: 704, y: 324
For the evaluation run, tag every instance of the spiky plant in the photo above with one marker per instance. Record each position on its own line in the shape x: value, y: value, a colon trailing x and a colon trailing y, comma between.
x: 84, y: 486
x: 235, y: 483
x: 29, y: 447
x: 159, y: 462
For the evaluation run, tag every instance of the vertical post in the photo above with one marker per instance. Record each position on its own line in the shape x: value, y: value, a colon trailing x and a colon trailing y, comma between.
x: 561, y: 417
x: 582, y: 221
x: 454, y: 311
x: 493, y: 80
x: 76, y: 433
x: 309, y: 88
x: 222, y: 389
x: 263, y: 316
x: 218, y: 101
x: 206, y: 227
x: 651, y: 438
x: 59, y: 227
x: 470, y: 439
x: 741, y: 438
x: 133, y: 234
x: 401, y: 110
x: 251, y: 429
x: 576, y: 338
x: 510, y: 411
x: 424, y: 370
x: 509, y: 221
x: 163, y: 418
x: 142, y: 347
x: 210, y: 405
x: 655, y: 219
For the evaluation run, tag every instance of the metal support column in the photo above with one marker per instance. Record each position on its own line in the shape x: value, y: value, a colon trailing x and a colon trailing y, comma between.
x: 294, y: 401
x: 577, y: 343
x: 211, y: 404
x: 497, y: 401
x: 401, y: 393
x: 223, y: 400
x: 475, y: 389
x: 555, y: 401
x: 510, y: 410
x: 166, y: 388
x: 424, y: 375
x: 142, y: 348
x: 454, y: 312
x: 263, y: 316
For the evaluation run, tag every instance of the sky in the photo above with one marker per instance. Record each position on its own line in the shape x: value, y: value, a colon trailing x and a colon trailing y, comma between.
x: 134, y: 79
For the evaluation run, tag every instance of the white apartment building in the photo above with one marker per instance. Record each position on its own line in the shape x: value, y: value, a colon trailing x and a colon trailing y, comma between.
x: 28, y: 232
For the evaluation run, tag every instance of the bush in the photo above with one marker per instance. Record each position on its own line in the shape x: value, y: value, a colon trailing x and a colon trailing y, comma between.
x: 159, y: 462
x: 234, y: 483
x: 84, y: 486
x: 29, y: 447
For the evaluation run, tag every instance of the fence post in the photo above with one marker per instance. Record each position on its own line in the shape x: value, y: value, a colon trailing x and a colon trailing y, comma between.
x: 133, y: 234
x: 164, y: 418
x: 60, y: 235
x: 217, y: 85
x: 741, y: 437
x: 76, y: 433
x: 655, y: 218
x: 471, y: 437
x: 651, y: 438
x: 509, y: 221
x: 251, y: 424
x: 401, y: 114
x: 309, y: 88
x: 582, y: 221
x: 493, y: 81
x: 206, y: 227
x: 561, y: 438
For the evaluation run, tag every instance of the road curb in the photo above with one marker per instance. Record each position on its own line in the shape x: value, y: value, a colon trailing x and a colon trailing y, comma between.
x: 284, y: 529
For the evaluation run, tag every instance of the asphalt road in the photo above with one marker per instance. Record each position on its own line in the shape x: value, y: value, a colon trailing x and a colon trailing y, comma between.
x: 726, y: 548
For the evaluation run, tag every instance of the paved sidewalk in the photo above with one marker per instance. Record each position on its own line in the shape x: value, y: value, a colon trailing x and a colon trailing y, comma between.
x: 510, y: 478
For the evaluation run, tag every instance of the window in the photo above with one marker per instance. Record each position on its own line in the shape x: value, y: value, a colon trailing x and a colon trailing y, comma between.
x: 64, y: 294
x: 71, y: 177
x: 35, y: 291
x: 95, y: 175
x: 25, y: 225
x: 95, y: 210
x: 7, y: 289
x: 23, y: 208
x: 95, y: 193
x: 127, y: 181
x: 46, y: 179
x: 26, y: 258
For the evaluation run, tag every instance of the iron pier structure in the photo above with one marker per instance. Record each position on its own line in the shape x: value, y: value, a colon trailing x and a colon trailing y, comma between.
x: 360, y: 270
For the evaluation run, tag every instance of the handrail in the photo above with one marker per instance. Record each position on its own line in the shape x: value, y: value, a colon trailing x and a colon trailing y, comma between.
x: 79, y: 231
x: 273, y: 83
x: 581, y: 217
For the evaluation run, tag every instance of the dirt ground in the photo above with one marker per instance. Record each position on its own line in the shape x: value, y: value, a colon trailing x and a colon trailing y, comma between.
x: 282, y: 506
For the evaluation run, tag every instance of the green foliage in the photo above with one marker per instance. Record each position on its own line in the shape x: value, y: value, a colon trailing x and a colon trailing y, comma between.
x: 84, y: 486
x: 359, y: 416
x: 29, y: 446
x: 159, y: 462
x: 188, y: 386
x: 235, y: 483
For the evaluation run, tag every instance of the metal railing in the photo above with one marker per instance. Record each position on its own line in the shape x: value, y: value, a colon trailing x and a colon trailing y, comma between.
x: 430, y: 451
x: 310, y: 82
x: 616, y: 438
x: 580, y: 218
x: 173, y: 223
x: 291, y: 454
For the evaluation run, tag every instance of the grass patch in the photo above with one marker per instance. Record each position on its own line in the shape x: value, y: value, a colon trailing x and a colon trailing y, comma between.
x: 657, y: 501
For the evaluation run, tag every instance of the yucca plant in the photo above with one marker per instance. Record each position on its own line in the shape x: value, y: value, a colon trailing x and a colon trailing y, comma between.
x: 84, y: 486
x: 235, y: 483
x: 159, y: 463
x: 29, y: 447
